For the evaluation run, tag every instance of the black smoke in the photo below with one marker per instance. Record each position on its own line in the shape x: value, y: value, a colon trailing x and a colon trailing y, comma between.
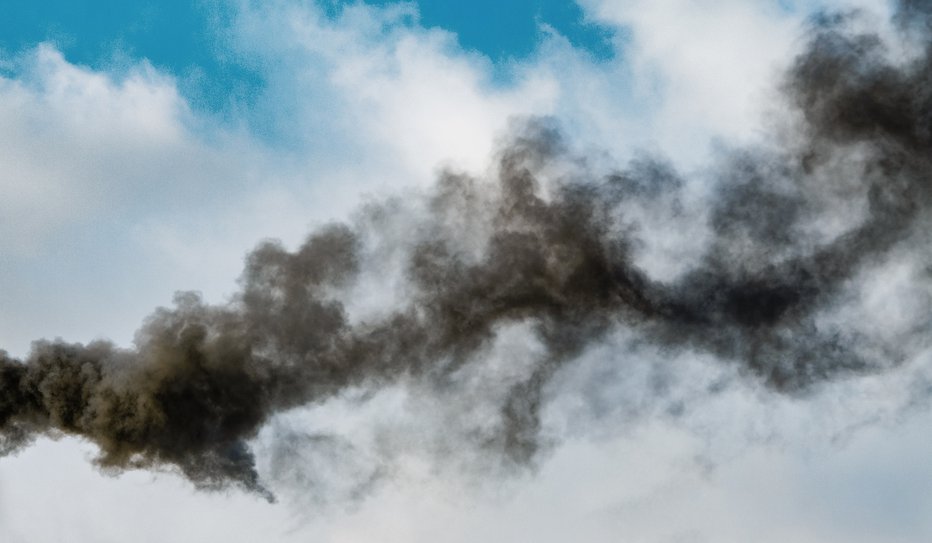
x: 543, y: 241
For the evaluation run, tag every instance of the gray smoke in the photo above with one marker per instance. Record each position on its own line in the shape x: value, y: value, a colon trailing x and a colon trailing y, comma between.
x: 543, y: 242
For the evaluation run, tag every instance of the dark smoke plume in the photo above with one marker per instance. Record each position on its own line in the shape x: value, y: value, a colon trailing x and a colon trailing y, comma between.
x: 544, y: 242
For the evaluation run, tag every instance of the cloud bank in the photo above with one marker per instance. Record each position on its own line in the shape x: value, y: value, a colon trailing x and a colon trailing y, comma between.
x: 783, y: 243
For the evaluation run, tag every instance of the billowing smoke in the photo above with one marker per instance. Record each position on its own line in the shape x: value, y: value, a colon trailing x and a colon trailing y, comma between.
x: 544, y: 241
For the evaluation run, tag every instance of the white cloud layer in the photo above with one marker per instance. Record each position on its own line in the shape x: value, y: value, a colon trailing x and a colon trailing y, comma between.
x: 116, y: 193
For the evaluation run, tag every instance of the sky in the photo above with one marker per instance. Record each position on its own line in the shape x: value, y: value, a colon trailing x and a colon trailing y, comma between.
x: 147, y: 147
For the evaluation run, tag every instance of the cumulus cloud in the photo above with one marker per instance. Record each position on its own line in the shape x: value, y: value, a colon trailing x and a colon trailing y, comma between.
x: 369, y: 101
x: 90, y: 159
x: 76, y: 141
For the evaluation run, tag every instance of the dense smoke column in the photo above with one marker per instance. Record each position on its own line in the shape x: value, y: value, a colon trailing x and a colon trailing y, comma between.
x: 856, y: 104
x: 529, y: 246
x: 199, y: 383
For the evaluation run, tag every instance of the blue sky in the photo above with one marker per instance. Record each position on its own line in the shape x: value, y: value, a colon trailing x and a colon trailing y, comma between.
x: 178, y: 36
x: 187, y: 38
x: 511, y: 30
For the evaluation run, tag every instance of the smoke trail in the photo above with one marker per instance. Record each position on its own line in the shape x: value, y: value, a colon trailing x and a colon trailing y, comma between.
x: 543, y: 242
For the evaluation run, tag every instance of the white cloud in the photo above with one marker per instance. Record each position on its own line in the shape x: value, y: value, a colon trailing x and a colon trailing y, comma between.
x: 406, y: 96
x: 88, y: 157
x: 115, y: 193
x: 707, y: 67
x: 75, y: 141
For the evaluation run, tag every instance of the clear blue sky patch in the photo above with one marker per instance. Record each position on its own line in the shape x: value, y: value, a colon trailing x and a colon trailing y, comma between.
x: 182, y: 38
x: 177, y: 36
x: 508, y: 29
